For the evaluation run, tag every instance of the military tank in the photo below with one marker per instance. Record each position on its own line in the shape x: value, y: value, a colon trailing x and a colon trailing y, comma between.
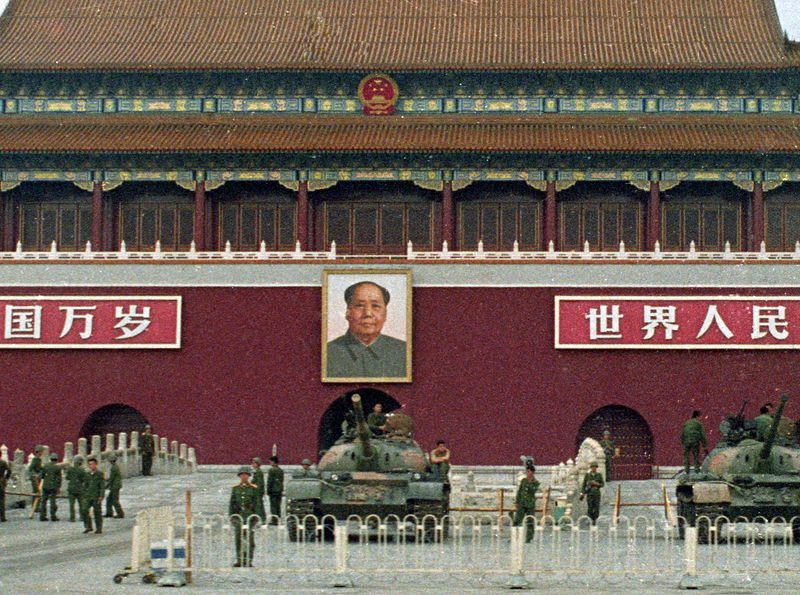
x: 744, y: 478
x: 369, y: 475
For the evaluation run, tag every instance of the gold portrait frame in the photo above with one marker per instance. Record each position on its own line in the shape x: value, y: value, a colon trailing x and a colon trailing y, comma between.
x: 395, y: 281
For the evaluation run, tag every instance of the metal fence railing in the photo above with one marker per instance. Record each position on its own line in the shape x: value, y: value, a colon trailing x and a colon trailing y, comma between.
x: 475, y: 545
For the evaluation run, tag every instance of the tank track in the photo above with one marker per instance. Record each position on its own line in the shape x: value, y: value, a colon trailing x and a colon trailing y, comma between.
x: 439, y: 511
x: 296, y: 511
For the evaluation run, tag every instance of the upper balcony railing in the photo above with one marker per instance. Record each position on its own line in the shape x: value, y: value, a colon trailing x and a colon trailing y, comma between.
x: 444, y: 255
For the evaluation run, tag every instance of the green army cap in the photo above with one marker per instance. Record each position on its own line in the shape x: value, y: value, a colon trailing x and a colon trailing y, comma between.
x: 593, y: 464
x: 53, y: 457
x: 77, y: 459
x: 256, y: 460
x: 306, y: 462
x: 39, y: 448
x: 245, y: 470
x: 112, y: 458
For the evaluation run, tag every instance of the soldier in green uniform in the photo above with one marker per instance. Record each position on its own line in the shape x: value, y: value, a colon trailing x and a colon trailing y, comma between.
x: 440, y: 459
x: 147, y: 448
x: 93, y: 498
x: 5, y: 474
x: 377, y: 419
x: 261, y: 486
x: 592, y: 482
x: 243, y: 511
x: 35, y: 475
x: 763, y: 423
x: 608, y: 449
x: 526, y: 500
x: 274, y: 489
x: 114, y: 485
x: 693, y: 434
x: 51, y: 486
x: 305, y: 469
x: 76, y: 480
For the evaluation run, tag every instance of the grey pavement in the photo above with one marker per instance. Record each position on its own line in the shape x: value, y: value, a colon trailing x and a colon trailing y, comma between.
x: 37, y: 557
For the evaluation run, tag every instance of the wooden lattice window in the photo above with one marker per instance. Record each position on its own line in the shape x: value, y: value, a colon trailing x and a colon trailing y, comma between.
x: 499, y: 225
x: 68, y: 223
x: 603, y: 224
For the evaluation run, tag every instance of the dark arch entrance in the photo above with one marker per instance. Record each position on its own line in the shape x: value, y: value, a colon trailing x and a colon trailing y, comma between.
x: 113, y: 419
x: 630, y: 434
x: 330, y: 425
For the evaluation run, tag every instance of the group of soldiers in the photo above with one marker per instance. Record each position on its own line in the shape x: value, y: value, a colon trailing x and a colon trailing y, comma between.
x: 246, y: 508
x: 86, y: 487
x: 693, y: 433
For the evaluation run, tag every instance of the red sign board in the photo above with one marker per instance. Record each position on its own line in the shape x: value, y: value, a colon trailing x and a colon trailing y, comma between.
x: 90, y: 322
x: 677, y: 322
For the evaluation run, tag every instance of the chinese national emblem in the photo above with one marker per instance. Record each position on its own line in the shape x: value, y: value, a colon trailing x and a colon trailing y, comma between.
x: 378, y: 94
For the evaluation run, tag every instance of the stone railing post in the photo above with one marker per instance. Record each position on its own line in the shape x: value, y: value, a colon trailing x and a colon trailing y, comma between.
x: 192, y: 459
x: 19, y: 460
x: 68, y: 452
x: 4, y: 453
x: 96, y: 446
x: 82, y: 448
x: 109, y: 442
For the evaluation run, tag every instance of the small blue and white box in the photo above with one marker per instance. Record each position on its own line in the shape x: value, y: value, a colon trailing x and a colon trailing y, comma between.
x: 158, y: 554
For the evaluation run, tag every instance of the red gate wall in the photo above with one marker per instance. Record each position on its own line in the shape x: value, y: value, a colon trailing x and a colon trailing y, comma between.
x: 486, y: 376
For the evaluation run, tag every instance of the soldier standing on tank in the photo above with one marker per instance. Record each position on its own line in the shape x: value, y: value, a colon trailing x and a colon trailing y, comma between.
x: 147, y: 448
x: 693, y: 434
x: 261, y: 486
x: 113, y: 507
x: 526, y: 500
x: 763, y: 423
x: 76, y: 487
x: 274, y: 490
x: 243, y: 511
x: 51, y: 487
x: 93, y: 498
x: 35, y: 475
x: 5, y: 474
x: 608, y: 449
x: 592, y: 482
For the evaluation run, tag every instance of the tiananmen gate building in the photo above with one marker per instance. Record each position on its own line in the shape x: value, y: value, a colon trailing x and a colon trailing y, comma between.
x: 586, y: 212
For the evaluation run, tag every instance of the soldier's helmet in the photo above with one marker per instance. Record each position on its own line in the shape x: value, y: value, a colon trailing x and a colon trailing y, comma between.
x: 256, y: 460
x: 39, y: 448
x: 306, y: 462
x: 245, y: 470
x: 77, y: 460
x: 112, y: 458
x: 593, y: 464
x: 606, y: 432
x: 53, y: 457
x: 147, y: 427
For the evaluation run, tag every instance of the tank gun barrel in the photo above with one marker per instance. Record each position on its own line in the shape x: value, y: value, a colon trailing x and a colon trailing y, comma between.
x: 364, y: 433
x: 773, y: 430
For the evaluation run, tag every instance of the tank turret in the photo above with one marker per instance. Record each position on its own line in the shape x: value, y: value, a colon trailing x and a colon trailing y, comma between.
x: 743, y: 477
x: 365, y: 475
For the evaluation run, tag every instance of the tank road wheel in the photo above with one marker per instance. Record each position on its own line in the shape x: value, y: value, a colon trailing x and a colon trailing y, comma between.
x: 297, y: 512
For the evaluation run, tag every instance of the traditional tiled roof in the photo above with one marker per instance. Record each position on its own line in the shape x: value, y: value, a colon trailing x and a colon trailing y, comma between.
x: 390, y: 35
x: 354, y: 133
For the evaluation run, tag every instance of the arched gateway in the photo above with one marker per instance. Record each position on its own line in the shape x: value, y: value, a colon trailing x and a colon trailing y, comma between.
x: 113, y: 419
x: 330, y: 424
x: 631, y: 436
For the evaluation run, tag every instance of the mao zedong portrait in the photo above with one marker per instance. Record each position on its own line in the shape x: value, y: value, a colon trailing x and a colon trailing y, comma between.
x: 363, y: 351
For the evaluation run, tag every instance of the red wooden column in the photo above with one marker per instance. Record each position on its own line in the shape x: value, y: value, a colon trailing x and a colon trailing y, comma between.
x: 302, y: 214
x: 199, y: 232
x: 550, y: 223
x: 448, y: 223
x: 654, y: 215
x: 757, y: 220
x: 97, y: 215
